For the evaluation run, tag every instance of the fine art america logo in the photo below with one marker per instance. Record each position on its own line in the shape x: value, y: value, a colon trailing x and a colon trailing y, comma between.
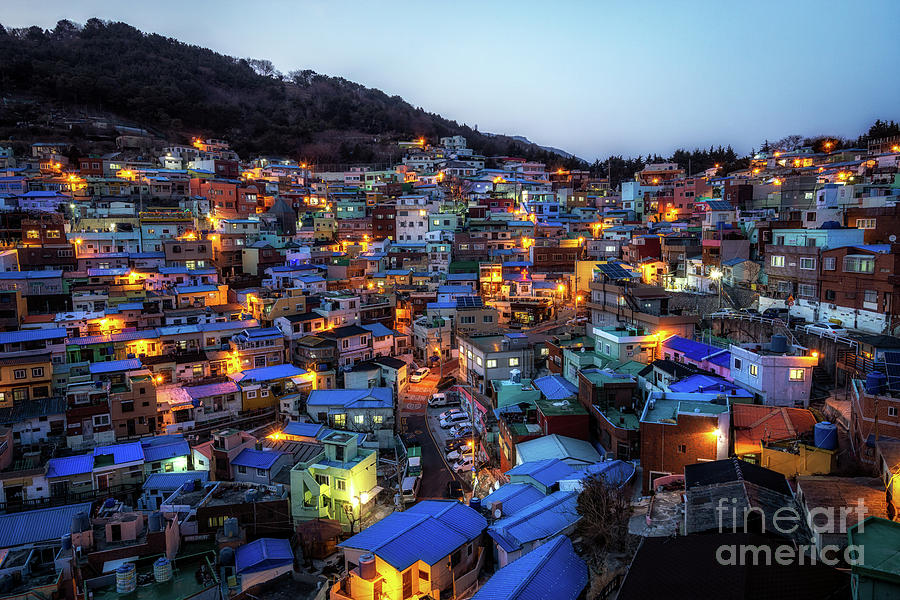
x: 788, y: 522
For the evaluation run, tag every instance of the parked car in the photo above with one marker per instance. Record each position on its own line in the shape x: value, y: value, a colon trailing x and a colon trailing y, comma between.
x: 456, y: 443
x: 419, y: 374
x: 455, y: 491
x: 454, y: 419
x: 828, y: 328
x: 445, y: 382
x: 441, y: 399
x: 463, y: 465
x: 461, y: 452
x: 448, y: 412
x: 775, y: 313
x: 409, y: 488
x: 461, y: 430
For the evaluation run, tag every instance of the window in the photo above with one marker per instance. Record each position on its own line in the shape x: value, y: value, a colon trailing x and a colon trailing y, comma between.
x: 777, y: 261
x: 797, y: 374
x: 322, y: 479
x: 829, y: 294
x: 491, y: 363
x: 101, y: 420
x: 737, y: 364
x: 20, y: 374
x: 865, y: 223
x: 514, y: 362
x: 754, y: 370
x: 37, y: 372
x: 242, y: 470
x: 377, y: 419
x: 251, y: 394
x: 892, y: 411
x: 871, y: 296
x: 806, y: 290
x: 828, y: 263
x: 261, y: 472
x: 340, y: 484
x: 682, y: 448
x: 478, y: 360
x: 359, y: 419
x: 859, y: 264
x: 340, y: 420
x: 808, y: 264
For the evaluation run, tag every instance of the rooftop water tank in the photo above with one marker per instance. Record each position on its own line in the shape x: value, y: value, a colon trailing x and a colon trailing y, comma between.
x: 226, y: 556
x: 126, y: 578
x: 778, y: 343
x: 67, y: 541
x: 475, y: 503
x: 162, y: 569
x: 825, y: 435
x: 876, y: 383
x: 367, y: 566
x: 155, y: 522
x: 231, y: 527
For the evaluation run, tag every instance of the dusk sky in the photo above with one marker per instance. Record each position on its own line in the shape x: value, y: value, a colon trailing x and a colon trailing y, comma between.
x: 589, y: 77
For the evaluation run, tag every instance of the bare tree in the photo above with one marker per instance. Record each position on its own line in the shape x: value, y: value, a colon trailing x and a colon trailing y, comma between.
x: 604, y: 511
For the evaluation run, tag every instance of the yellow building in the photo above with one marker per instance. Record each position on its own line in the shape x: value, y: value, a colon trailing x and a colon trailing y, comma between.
x: 25, y: 378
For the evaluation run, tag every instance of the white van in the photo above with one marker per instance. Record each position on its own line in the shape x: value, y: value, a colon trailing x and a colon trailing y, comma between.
x: 409, y: 489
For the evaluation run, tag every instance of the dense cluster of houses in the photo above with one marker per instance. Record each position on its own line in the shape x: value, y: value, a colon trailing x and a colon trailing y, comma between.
x: 205, y: 363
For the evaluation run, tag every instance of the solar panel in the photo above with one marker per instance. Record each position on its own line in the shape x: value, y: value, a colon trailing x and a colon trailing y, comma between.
x: 892, y: 370
x: 469, y: 302
x: 614, y: 271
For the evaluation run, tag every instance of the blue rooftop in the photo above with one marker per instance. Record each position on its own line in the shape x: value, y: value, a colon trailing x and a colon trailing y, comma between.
x: 164, y: 447
x: 553, y: 570
x: 556, y: 387
x: 263, y: 554
x: 173, y: 481
x: 302, y: 429
x: 694, y: 350
x: 70, y: 465
x: 378, y: 330
x: 268, y: 373
x: 122, y: 453
x: 31, y: 335
x: 546, y: 472
x: 44, y: 524
x: 514, y: 496
x: 115, y: 366
x: 376, y: 397
x: 428, y: 531
x: 708, y: 383
x: 256, y: 459
x: 211, y: 389
x: 546, y: 517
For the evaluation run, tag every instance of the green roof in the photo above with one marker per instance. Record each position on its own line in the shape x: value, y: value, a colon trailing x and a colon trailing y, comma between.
x: 668, y: 410
x: 560, y: 407
x: 881, y: 540
x: 620, y: 419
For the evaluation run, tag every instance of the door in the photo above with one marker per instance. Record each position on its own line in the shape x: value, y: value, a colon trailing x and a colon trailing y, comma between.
x: 103, y: 481
x: 407, y: 583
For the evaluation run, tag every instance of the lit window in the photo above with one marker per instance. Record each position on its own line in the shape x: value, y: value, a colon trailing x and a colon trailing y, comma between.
x: 777, y: 261
x: 797, y: 374
x: 491, y: 363
x: 514, y: 362
x: 754, y: 370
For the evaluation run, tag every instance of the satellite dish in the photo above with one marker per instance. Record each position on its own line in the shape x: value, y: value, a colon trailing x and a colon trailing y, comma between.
x: 892, y: 238
x: 498, y: 513
x: 496, y: 485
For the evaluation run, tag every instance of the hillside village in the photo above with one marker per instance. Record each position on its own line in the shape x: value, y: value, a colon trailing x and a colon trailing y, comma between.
x: 458, y: 376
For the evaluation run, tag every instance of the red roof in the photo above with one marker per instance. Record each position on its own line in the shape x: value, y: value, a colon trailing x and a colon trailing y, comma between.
x: 754, y: 424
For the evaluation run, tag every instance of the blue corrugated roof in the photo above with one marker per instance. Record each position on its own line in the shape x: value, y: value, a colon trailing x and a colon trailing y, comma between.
x: 31, y: 335
x: 302, y: 429
x: 122, y: 453
x: 556, y: 387
x: 708, y: 383
x: 263, y: 554
x: 211, y: 389
x: 164, y: 447
x: 424, y: 532
x: 546, y: 472
x: 378, y: 329
x: 29, y: 527
x: 269, y: 373
x: 113, y: 366
x: 372, y: 397
x: 615, y: 472
x: 256, y: 459
x: 514, y: 496
x: 70, y: 465
x: 173, y: 481
x: 548, y: 516
x: 552, y: 570
x: 691, y: 349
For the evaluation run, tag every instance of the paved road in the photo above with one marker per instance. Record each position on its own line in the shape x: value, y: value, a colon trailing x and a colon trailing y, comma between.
x: 434, y: 472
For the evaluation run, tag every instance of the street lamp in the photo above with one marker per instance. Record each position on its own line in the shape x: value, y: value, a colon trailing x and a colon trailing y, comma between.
x: 471, y: 444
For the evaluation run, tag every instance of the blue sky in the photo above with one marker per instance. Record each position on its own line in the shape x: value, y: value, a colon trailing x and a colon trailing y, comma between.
x: 590, y: 77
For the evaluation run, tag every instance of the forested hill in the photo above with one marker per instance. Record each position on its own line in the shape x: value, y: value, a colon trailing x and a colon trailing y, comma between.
x: 180, y: 90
